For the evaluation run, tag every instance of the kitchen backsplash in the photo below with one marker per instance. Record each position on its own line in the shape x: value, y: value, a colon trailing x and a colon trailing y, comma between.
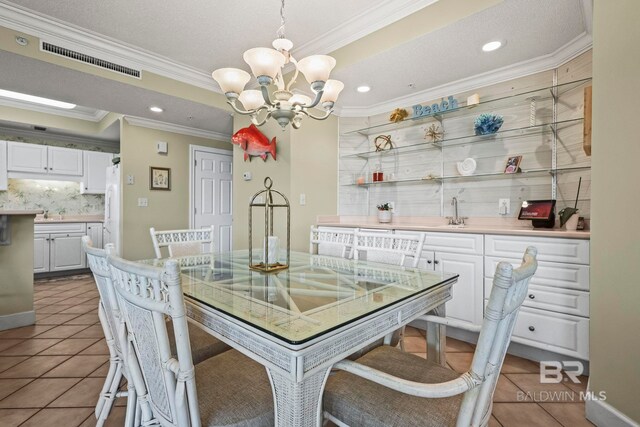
x: 57, y: 197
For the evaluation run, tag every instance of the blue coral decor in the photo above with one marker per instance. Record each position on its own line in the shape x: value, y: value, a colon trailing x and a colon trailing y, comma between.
x: 486, y: 124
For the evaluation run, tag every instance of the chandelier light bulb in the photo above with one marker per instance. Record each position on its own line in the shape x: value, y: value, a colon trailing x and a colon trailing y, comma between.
x: 264, y: 61
x: 251, y: 99
x: 231, y: 80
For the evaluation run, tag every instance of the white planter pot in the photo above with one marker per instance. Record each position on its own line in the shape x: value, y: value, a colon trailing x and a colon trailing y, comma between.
x: 384, y: 216
x: 572, y: 223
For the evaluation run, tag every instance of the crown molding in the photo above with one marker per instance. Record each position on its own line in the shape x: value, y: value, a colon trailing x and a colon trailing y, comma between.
x: 170, y: 127
x: 362, y: 25
x: 577, y: 46
x: 55, y: 137
x: 88, y: 114
x: 71, y: 37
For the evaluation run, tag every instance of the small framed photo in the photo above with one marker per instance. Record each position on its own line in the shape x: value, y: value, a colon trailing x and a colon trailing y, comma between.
x: 513, y: 164
x: 159, y: 178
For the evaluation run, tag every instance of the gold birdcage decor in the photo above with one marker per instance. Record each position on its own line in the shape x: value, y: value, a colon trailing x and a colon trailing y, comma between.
x: 273, y: 202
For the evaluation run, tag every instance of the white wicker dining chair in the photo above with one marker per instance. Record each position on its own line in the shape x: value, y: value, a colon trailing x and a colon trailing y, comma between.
x: 228, y: 389
x: 204, y: 345
x: 334, y: 242
x: 183, y: 242
x: 389, y: 248
x: 115, y: 337
x: 423, y: 393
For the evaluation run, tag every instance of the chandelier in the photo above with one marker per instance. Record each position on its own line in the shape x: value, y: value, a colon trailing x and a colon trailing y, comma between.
x: 267, y: 66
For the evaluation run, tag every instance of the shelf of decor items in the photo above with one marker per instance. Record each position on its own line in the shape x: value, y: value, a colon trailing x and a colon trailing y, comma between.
x: 520, y: 99
x: 527, y: 131
x: 491, y: 175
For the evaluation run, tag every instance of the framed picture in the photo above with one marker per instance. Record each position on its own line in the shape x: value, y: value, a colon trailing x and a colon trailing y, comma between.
x: 513, y: 164
x: 159, y: 178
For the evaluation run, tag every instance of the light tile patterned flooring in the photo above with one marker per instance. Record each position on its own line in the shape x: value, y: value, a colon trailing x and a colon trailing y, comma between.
x: 51, y: 373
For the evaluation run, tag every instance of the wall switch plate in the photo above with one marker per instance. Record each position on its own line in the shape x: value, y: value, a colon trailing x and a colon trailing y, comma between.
x: 247, y: 176
x: 143, y: 202
x: 130, y: 180
x: 504, y: 206
x: 303, y: 199
x: 162, y: 147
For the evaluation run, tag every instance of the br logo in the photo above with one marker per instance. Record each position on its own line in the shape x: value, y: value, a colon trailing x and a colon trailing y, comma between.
x: 551, y: 371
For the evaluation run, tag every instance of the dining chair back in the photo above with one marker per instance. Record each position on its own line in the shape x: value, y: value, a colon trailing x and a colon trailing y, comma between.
x: 146, y: 294
x: 431, y: 394
x: 183, y: 242
x: 334, y: 242
x: 115, y: 335
x: 389, y: 248
x: 167, y: 385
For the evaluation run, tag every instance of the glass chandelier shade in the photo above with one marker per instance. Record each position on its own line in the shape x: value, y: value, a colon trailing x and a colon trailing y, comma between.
x: 267, y: 66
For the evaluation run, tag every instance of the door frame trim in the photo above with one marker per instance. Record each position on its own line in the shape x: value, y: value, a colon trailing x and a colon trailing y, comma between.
x: 192, y: 174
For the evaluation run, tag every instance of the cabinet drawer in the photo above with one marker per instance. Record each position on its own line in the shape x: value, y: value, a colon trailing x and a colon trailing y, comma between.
x: 566, y: 301
x: 61, y: 227
x: 551, y: 274
x: 549, y: 248
x: 458, y: 243
x: 561, y: 333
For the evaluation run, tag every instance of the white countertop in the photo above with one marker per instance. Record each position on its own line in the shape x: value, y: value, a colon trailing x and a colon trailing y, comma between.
x: 505, y: 226
x: 21, y: 212
x: 53, y: 219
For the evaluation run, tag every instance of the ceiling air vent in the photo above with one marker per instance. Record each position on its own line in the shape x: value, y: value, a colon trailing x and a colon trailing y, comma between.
x: 87, y: 59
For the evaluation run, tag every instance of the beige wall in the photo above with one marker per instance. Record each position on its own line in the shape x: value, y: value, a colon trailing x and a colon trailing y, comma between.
x: 615, y: 270
x: 167, y: 209
x: 16, y: 265
x: 306, y: 163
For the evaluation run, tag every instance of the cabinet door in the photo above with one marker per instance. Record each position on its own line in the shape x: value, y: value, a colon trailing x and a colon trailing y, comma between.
x: 3, y: 166
x: 23, y: 157
x: 94, y: 231
x: 95, y: 172
x: 40, y: 253
x: 65, y: 161
x: 66, y: 252
x: 467, y: 302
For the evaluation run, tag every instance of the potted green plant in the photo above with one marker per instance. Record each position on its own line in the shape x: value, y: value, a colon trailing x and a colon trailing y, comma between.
x: 384, y: 212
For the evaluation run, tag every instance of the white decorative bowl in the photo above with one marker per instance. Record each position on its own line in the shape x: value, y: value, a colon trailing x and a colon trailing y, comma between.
x: 467, y: 167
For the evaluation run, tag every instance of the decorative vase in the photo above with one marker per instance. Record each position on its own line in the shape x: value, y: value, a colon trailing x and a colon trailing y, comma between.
x: 572, y: 223
x: 384, y: 216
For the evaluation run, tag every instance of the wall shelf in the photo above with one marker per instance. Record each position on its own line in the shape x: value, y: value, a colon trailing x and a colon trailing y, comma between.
x: 501, y: 103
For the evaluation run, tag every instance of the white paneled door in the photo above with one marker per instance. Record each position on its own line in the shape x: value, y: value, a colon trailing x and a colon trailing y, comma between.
x: 212, y: 197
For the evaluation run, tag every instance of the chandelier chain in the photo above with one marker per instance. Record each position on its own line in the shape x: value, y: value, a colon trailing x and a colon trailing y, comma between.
x: 280, y: 32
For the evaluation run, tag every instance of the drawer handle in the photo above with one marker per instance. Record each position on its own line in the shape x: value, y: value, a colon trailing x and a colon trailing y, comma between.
x: 531, y: 328
x: 428, y: 261
x: 532, y: 296
x: 436, y: 262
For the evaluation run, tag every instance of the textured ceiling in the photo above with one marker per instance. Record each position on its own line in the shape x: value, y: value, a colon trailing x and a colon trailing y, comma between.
x: 207, y: 34
x: 530, y: 28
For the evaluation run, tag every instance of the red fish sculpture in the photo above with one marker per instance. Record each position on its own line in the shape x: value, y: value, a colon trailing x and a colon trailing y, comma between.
x: 254, y: 143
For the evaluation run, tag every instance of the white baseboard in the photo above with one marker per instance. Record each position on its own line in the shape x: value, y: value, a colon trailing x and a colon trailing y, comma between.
x: 602, y: 414
x: 17, y: 320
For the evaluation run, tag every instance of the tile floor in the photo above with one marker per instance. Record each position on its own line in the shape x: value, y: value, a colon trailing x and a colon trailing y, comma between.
x: 51, y: 373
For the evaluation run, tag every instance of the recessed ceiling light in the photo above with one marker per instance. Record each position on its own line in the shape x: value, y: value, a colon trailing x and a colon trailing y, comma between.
x: 491, y: 46
x: 363, y: 89
x: 156, y: 109
x: 36, y: 99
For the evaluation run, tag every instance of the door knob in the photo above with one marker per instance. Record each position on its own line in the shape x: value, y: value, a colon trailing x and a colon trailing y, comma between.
x: 532, y: 296
x: 532, y: 328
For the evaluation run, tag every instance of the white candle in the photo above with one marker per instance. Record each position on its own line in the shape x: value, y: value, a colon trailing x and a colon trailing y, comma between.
x: 274, y: 248
x: 473, y: 99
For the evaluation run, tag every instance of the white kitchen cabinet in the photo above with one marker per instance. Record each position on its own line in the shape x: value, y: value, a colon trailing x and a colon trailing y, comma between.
x: 58, y: 246
x: 40, y: 253
x: 95, y: 233
x: 95, y: 172
x: 461, y: 254
x: 555, y: 313
x: 4, y: 185
x: 66, y: 252
x: 41, y: 161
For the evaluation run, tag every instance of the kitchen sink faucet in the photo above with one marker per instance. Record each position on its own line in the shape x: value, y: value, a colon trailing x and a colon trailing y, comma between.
x: 455, y: 219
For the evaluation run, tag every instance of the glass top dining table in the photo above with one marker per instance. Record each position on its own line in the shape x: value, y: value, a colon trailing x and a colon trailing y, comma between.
x: 315, y: 295
x: 298, y: 322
